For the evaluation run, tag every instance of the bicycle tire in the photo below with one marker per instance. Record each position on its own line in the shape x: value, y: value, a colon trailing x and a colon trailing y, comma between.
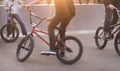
x: 67, y: 40
x: 23, y: 46
x: 117, y: 43
x: 12, y: 35
x: 99, y: 35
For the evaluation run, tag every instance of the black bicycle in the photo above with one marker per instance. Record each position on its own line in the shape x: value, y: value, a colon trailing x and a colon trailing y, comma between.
x: 100, y: 39
x: 9, y: 31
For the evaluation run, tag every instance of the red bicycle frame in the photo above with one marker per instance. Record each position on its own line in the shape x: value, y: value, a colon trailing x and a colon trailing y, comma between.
x: 37, y: 31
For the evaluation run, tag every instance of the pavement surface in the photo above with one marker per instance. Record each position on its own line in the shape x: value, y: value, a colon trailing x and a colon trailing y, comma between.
x: 93, y: 59
x: 88, y: 18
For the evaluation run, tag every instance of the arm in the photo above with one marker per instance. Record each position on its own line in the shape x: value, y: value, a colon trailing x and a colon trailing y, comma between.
x: 30, y: 4
x: 33, y: 2
x: 109, y: 4
x: 20, y: 2
x: 6, y: 7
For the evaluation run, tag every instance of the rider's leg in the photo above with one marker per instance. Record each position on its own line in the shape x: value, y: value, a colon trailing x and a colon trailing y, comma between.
x: 51, y: 27
x: 18, y: 18
x: 115, y: 18
x: 8, y: 21
x: 51, y: 32
x: 8, y: 18
x: 64, y: 25
x: 107, y: 22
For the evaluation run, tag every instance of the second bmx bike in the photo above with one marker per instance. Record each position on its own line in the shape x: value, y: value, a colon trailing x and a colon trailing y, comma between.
x: 9, y: 31
x: 100, y: 39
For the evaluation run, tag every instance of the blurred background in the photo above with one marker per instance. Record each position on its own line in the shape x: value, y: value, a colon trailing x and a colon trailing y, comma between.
x: 52, y: 1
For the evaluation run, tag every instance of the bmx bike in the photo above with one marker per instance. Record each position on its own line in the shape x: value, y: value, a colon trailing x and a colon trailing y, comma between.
x: 100, y: 39
x: 68, y: 49
x: 9, y: 31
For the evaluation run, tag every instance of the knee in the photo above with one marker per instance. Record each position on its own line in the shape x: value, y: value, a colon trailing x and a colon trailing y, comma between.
x: 62, y: 30
x: 50, y: 27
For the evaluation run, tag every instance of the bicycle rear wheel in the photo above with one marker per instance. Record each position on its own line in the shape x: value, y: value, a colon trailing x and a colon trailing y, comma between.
x: 73, y: 51
x: 117, y: 43
x: 25, y: 48
x: 99, y: 38
x: 9, y: 33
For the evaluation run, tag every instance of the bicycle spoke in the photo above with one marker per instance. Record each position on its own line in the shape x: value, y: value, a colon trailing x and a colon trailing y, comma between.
x: 25, y: 48
x: 99, y: 38
x: 71, y: 52
x: 69, y: 49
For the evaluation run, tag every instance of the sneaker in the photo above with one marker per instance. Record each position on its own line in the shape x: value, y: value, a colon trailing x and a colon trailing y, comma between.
x: 48, y: 52
x: 108, y: 35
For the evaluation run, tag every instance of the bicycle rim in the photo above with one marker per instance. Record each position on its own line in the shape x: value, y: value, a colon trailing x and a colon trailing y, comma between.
x: 117, y: 43
x: 25, y: 48
x: 9, y: 34
x: 72, y: 52
x: 99, y: 38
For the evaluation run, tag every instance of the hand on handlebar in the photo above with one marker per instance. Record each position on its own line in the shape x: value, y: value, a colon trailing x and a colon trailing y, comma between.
x: 110, y: 6
x: 28, y: 7
x: 7, y: 9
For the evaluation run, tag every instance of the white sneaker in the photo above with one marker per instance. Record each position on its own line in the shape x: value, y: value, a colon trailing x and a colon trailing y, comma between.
x: 48, y: 52
x: 108, y: 36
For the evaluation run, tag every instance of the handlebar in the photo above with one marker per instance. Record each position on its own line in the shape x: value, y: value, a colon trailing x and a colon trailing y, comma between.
x: 11, y: 7
x: 118, y: 12
x: 35, y: 15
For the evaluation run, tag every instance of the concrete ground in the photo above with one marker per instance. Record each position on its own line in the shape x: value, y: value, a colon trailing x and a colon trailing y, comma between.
x: 92, y: 59
x: 84, y: 26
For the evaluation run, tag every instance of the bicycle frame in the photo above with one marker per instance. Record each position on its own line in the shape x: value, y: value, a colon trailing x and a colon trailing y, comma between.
x: 37, y: 31
x: 118, y: 23
x: 115, y: 25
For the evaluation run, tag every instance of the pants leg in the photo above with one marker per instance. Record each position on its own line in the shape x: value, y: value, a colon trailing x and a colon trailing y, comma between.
x: 8, y: 22
x: 51, y: 27
x: 64, y: 25
x: 8, y: 18
x: 115, y: 18
x: 18, y: 18
x: 108, y: 19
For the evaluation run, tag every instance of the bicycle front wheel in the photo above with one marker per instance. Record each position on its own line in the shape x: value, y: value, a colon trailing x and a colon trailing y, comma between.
x: 72, y: 52
x: 9, y: 33
x: 25, y: 48
x: 117, y: 43
x: 99, y: 38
